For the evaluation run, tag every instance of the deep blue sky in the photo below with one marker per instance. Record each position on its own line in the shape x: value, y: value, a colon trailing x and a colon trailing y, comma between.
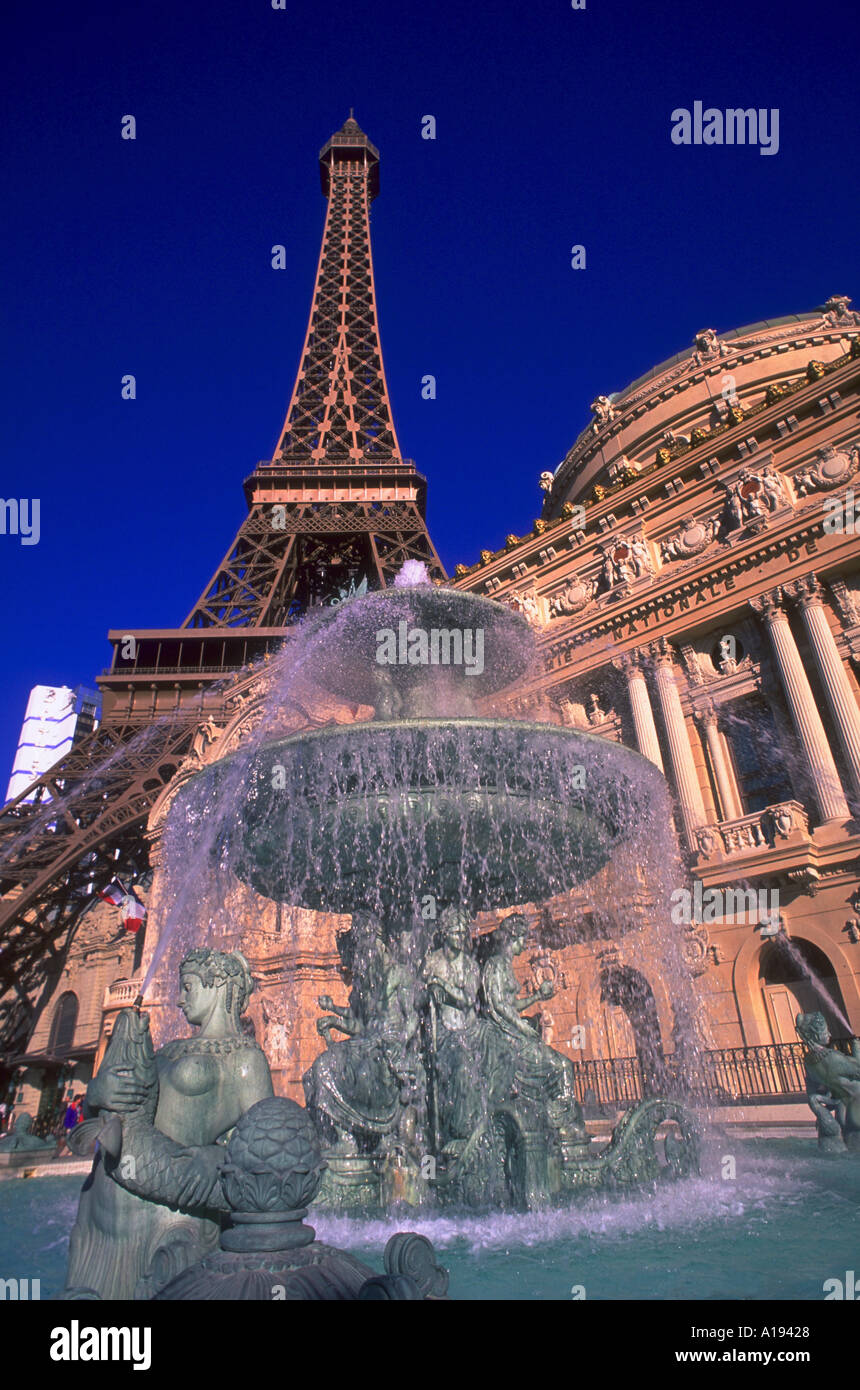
x: 153, y: 257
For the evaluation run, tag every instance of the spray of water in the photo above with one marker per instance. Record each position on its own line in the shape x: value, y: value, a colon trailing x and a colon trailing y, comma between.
x: 784, y: 944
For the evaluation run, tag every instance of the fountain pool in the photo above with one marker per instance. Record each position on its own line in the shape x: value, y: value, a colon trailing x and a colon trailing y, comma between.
x: 785, y: 1225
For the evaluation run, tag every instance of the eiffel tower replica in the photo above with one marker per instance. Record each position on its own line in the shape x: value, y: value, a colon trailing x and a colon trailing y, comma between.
x: 337, y: 509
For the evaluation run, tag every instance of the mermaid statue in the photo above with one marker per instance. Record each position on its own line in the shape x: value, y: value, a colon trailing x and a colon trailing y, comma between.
x: 159, y: 1122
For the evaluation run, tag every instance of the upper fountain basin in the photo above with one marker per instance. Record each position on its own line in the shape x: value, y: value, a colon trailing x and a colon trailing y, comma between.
x: 486, y: 813
x: 418, y: 650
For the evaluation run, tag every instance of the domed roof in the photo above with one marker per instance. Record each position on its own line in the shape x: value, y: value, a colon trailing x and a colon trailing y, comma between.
x: 694, y: 390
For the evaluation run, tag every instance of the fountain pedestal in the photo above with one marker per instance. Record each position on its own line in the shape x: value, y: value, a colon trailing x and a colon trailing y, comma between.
x: 352, y: 1182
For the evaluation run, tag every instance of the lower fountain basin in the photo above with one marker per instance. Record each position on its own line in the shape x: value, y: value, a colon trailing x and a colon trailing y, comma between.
x: 487, y: 813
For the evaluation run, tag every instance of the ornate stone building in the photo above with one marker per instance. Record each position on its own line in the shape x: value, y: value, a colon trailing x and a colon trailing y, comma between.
x: 694, y: 580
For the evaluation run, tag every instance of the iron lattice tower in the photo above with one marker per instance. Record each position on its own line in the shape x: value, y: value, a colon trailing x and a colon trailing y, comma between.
x: 336, y: 506
x: 352, y: 508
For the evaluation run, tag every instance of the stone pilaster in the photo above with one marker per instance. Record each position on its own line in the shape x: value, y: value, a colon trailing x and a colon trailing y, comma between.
x: 807, y: 721
x: 680, y: 750
x: 809, y: 598
x: 640, y: 703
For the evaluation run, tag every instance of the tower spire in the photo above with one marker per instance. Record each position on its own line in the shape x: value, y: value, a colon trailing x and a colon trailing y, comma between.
x: 337, y: 506
x: 340, y: 407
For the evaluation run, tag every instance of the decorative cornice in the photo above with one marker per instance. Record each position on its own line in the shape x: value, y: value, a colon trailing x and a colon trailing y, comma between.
x: 720, y: 440
x: 678, y: 594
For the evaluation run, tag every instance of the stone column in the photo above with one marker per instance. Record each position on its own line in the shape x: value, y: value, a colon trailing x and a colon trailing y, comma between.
x: 680, y: 750
x: 727, y: 789
x: 807, y: 721
x: 640, y: 703
x: 808, y: 595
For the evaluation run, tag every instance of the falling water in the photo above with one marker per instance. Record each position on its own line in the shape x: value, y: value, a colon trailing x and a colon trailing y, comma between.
x: 349, y: 784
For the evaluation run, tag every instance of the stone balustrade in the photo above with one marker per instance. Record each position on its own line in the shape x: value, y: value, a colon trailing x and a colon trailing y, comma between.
x: 785, y: 824
x: 121, y: 994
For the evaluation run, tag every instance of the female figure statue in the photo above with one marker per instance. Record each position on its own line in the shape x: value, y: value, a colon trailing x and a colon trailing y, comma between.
x: 465, y: 1071
x: 150, y: 1205
x: 542, y: 1075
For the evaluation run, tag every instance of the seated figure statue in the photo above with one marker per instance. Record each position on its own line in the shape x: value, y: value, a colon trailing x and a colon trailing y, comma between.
x: 542, y: 1076
x: 832, y: 1085
x: 150, y: 1205
x: 468, y: 1071
x: 357, y: 1090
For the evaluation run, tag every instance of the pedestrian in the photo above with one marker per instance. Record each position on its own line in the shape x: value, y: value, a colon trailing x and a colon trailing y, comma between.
x: 70, y: 1120
x: 2, y: 1116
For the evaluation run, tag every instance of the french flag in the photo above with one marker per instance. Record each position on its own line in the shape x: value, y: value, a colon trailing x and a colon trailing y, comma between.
x: 114, y: 893
x: 133, y: 913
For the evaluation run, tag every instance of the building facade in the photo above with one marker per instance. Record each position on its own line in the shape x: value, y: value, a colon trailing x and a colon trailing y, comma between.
x: 694, y: 581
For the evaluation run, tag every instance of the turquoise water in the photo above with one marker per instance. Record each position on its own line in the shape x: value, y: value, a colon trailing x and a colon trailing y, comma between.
x: 788, y: 1221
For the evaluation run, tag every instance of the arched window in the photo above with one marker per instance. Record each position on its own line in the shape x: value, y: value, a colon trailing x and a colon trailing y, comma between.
x: 64, y: 1022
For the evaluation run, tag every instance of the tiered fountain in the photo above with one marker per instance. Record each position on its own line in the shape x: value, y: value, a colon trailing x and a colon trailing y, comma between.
x: 415, y: 823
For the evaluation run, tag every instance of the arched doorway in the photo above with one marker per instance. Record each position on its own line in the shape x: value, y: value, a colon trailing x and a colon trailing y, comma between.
x: 798, y: 978
x: 625, y: 990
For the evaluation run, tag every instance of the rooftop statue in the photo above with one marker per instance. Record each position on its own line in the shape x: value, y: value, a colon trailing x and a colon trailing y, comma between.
x: 158, y: 1120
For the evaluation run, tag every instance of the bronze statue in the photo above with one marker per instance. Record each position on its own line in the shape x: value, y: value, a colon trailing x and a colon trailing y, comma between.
x: 20, y: 1140
x: 158, y: 1120
x: 832, y: 1084
x: 462, y: 1059
x: 357, y: 1089
x: 543, y: 1076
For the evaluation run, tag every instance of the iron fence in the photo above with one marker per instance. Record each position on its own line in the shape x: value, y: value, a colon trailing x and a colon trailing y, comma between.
x: 727, y: 1075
